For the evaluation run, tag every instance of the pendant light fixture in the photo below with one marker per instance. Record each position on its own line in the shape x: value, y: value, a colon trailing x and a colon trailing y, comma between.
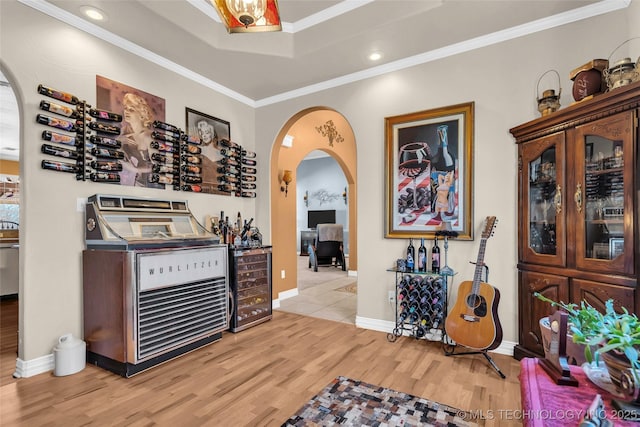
x: 248, y: 16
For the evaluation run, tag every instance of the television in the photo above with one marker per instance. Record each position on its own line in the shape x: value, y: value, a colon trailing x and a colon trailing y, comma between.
x: 314, y: 218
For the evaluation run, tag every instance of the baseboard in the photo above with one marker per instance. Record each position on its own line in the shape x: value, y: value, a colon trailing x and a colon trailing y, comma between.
x: 29, y: 368
x: 284, y: 295
x: 352, y: 273
x: 506, y: 347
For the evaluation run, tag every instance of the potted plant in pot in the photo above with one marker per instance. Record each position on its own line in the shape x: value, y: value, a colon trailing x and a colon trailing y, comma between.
x: 615, y: 336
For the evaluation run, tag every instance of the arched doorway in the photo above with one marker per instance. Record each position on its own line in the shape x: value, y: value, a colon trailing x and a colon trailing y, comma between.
x: 317, y: 128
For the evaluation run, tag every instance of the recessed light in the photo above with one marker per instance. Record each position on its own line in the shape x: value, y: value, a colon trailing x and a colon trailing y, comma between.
x: 375, y: 56
x: 94, y: 13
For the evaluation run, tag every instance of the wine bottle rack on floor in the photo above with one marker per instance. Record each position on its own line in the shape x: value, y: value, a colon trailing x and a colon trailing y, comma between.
x: 421, y: 306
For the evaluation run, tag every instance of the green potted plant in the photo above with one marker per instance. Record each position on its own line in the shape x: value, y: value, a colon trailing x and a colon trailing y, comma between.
x: 608, y: 332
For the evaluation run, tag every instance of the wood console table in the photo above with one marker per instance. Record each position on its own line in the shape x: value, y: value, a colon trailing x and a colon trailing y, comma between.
x: 545, y: 404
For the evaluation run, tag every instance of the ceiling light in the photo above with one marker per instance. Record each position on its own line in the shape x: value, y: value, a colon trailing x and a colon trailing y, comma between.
x: 94, y: 13
x: 248, y: 16
x: 375, y: 56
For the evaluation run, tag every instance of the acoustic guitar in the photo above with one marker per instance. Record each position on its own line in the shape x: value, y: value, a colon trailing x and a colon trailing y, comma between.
x: 473, y: 321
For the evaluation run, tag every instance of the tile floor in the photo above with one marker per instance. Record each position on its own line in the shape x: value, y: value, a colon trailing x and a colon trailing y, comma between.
x: 323, y: 301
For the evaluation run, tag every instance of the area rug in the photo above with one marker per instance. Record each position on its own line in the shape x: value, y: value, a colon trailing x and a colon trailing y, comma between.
x: 347, y: 402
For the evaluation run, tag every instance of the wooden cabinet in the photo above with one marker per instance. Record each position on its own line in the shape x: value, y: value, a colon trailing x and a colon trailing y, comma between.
x: 578, y: 224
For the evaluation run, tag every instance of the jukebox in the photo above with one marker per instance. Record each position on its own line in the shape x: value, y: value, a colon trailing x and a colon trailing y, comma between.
x: 155, y: 283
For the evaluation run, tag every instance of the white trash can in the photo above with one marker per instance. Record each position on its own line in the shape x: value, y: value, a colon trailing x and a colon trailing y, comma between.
x: 69, y: 355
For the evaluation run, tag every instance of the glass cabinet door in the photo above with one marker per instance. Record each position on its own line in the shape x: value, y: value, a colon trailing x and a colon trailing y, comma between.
x: 542, y: 179
x: 602, y: 194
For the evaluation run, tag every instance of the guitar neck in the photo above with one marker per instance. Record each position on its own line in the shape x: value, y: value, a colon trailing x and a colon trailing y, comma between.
x: 477, y: 275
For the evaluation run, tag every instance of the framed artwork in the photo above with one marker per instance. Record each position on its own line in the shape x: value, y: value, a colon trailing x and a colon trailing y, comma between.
x: 139, y: 109
x: 210, y: 130
x: 429, y: 169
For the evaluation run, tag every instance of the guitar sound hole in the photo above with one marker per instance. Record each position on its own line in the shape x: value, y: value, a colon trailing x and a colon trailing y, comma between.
x: 473, y: 300
x: 478, y: 303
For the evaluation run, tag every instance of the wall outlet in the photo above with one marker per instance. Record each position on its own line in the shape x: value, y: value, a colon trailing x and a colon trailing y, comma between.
x: 392, y: 297
x: 282, y: 275
x: 80, y: 204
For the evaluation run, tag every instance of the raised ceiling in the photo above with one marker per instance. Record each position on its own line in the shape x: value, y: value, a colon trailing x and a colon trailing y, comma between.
x: 324, y: 43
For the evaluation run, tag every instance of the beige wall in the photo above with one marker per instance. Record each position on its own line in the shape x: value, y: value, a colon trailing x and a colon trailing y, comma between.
x: 500, y: 79
x: 39, y: 49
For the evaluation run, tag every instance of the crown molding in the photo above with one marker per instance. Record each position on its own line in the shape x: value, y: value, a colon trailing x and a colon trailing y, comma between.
x: 585, y: 12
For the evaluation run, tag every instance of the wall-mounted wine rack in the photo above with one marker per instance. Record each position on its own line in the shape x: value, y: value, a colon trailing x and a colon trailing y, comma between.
x: 82, y: 140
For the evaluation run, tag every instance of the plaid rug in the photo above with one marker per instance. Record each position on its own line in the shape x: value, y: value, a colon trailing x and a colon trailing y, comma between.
x: 347, y: 402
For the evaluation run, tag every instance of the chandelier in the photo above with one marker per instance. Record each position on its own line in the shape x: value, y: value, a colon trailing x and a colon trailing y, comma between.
x: 247, y: 16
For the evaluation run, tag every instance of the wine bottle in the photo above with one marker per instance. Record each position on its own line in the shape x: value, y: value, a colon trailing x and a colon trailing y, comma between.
x: 191, y: 187
x: 191, y: 169
x: 60, y: 96
x: 227, y: 188
x: 103, y: 140
x: 248, y: 186
x: 229, y: 161
x: 58, y: 138
x: 193, y: 149
x: 162, y: 146
x: 228, y: 169
x: 194, y: 160
x: 422, y: 257
x: 105, y: 177
x: 229, y: 152
x: 59, y: 152
x: 103, y: 165
x: 246, y: 228
x: 105, y: 115
x: 227, y: 178
x: 106, y: 152
x: 164, y: 137
x: 226, y: 143
x: 444, y: 140
x: 249, y: 162
x: 248, y: 178
x: 161, y: 179
x: 191, y: 139
x: 250, y: 194
x: 435, y: 257
x: 63, y: 110
x: 60, y: 166
x: 248, y: 170
x: 192, y: 179
x: 57, y: 123
x: 162, y: 158
x: 411, y: 255
x: 164, y: 169
x: 248, y: 154
x: 166, y: 126
x: 101, y: 127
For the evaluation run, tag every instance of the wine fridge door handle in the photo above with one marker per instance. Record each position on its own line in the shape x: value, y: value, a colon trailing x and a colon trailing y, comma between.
x: 232, y: 308
x: 578, y: 197
x: 558, y: 199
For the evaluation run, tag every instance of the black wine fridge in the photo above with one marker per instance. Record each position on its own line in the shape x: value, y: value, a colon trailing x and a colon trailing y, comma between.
x: 250, y: 285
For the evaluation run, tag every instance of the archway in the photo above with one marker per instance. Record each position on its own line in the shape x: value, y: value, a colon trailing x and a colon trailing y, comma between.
x: 317, y: 128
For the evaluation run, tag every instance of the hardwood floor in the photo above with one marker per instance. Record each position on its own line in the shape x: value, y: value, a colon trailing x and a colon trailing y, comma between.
x: 258, y: 377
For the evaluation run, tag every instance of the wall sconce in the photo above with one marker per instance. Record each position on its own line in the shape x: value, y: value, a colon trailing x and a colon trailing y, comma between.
x: 306, y: 198
x: 287, y: 177
x: 344, y: 195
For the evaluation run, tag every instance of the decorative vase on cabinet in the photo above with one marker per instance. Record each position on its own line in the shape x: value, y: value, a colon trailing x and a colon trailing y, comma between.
x: 577, y: 216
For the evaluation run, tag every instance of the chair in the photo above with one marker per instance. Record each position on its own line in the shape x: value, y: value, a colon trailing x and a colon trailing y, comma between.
x: 328, y: 249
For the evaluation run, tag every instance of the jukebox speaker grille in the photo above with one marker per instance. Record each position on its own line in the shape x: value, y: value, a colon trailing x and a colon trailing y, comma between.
x: 171, y: 316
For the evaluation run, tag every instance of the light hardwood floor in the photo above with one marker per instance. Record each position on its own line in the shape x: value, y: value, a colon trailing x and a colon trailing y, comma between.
x: 258, y: 377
